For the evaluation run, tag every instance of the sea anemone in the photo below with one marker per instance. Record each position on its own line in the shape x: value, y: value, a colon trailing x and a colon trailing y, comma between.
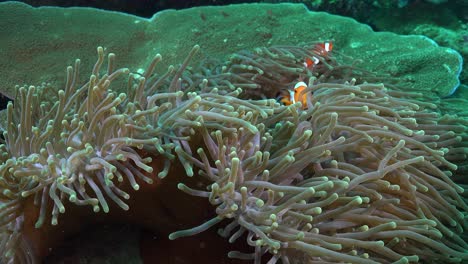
x: 363, y: 175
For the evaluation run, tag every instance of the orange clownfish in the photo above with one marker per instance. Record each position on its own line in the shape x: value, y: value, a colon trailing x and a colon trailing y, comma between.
x: 295, y: 95
x: 320, y: 49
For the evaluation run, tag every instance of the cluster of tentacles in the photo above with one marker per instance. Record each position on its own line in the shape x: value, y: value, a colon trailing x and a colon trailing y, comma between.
x: 360, y: 174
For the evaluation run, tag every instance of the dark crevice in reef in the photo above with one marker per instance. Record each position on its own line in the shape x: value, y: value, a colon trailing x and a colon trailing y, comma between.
x: 105, y: 243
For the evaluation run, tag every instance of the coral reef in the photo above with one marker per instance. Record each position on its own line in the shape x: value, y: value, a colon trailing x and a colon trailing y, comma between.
x: 417, y: 61
x: 360, y: 174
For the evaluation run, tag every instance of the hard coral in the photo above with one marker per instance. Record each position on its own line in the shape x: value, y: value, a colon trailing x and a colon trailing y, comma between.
x: 361, y: 176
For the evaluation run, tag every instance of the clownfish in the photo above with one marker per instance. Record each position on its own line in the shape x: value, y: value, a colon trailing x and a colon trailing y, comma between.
x: 294, y: 96
x: 321, y: 49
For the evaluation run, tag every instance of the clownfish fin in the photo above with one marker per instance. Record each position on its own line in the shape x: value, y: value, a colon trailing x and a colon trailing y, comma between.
x: 284, y: 97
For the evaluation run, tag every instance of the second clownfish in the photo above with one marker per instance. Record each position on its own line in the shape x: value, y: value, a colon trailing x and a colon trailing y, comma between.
x: 295, y: 95
x: 321, y: 49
